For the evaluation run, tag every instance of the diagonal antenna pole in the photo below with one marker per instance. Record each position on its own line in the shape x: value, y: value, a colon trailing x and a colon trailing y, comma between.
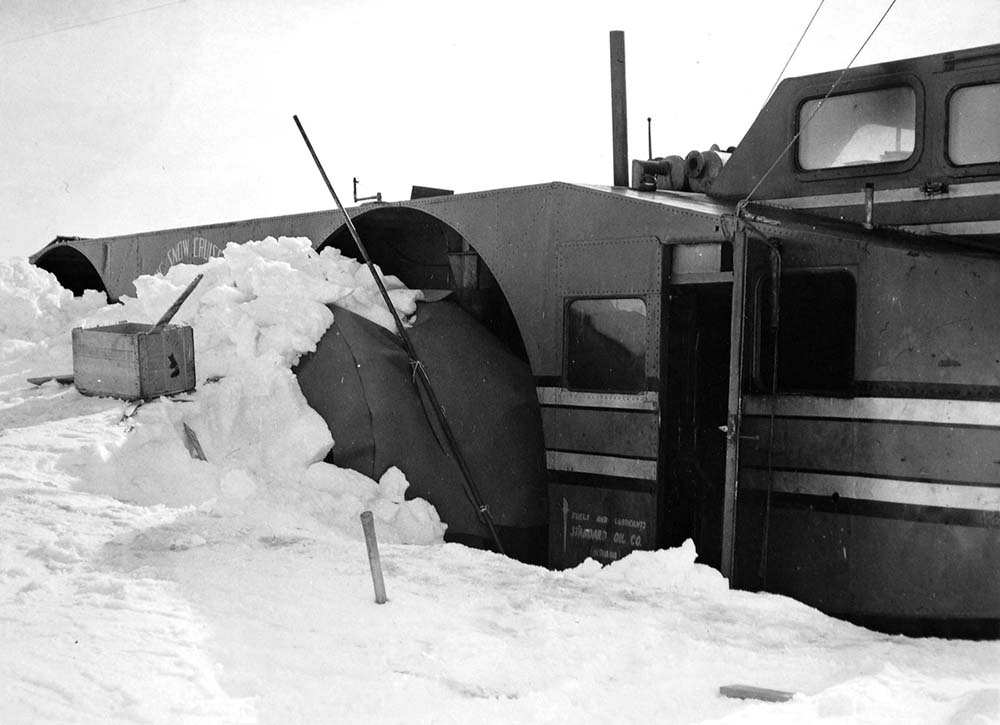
x: 419, y: 373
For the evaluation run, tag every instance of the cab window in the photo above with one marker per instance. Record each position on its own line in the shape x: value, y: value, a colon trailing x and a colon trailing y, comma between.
x: 854, y: 129
x: 606, y: 344
x: 974, y: 125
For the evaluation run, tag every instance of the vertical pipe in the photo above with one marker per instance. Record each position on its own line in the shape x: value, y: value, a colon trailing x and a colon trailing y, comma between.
x: 869, y: 206
x: 619, y: 116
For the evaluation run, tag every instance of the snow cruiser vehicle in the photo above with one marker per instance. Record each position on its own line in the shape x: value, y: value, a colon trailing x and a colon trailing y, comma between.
x: 788, y: 352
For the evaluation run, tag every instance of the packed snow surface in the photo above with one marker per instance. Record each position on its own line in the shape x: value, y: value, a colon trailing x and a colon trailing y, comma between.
x: 141, y: 584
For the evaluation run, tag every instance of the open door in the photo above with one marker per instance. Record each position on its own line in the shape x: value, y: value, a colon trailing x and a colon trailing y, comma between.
x: 704, y: 348
x: 752, y: 257
x: 694, y: 419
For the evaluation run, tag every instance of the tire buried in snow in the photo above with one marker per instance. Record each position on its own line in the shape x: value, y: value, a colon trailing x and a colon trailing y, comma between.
x: 360, y: 381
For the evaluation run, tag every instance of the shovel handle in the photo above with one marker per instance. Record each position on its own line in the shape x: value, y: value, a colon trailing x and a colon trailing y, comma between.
x: 168, y: 315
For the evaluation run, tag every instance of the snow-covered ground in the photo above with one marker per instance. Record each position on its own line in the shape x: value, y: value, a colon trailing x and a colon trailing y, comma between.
x: 140, y: 584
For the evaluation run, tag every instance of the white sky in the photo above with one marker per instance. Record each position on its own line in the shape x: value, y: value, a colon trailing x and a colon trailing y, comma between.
x: 179, y: 113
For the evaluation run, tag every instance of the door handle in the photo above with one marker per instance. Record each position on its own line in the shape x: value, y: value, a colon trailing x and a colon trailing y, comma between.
x: 725, y: 429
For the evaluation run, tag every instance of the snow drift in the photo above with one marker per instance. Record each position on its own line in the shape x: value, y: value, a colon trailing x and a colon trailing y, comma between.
x: 258, y: 309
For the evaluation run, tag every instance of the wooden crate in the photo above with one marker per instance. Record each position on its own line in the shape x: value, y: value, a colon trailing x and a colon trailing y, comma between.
x: 129, y: 361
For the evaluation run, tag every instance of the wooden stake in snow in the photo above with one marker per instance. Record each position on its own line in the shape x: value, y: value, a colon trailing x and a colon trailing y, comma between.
x: 368, y: 524
x: 192, y: 443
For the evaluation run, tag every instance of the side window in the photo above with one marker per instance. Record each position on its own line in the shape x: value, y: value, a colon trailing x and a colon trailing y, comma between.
x: 816, y: 330
x: 872, y: 127
x: 973, y: 130
x: 606, y: 344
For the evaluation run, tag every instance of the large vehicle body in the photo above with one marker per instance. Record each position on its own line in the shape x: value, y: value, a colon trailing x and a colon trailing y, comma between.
x: 807, y: 384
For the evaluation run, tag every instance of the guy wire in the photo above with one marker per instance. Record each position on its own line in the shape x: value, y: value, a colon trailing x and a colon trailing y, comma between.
x: 742, y: 204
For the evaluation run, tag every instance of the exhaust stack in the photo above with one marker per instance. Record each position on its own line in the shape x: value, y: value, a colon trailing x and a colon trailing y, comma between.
x: 619, y: 115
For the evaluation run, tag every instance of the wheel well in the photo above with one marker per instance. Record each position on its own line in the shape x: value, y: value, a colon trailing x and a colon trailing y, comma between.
x: 73, y: 270
x: 427, y: 253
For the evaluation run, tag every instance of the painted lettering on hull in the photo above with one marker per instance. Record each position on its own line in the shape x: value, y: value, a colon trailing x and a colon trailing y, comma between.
x: 188, y: 251
x: 604, y: 524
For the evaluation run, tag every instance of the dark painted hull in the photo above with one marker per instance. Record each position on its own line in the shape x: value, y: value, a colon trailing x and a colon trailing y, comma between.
x: 884, y: 511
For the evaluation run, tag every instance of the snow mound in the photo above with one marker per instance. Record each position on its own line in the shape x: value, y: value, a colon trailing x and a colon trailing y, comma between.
x: 35, y: 306
x: 663, y: 570
x: 245, y: 443
x: 38, y: 314
x: 261, y: 303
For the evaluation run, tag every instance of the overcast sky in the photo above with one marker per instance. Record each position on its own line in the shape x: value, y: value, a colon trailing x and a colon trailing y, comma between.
x: 121, y: 116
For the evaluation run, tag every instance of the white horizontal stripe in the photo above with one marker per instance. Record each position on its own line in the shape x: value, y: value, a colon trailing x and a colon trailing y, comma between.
x: 980, y: 498
x: 560, y: 396
x: 955, y: 191
x: 601, y: 465
x: 984, y: 227
x: 911, y: 410
x: 700, y: 277
x: 819, y: 202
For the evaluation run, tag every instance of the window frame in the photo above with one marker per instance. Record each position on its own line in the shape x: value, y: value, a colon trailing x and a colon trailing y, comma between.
x: 643, y: 382
x: 896, y: 80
